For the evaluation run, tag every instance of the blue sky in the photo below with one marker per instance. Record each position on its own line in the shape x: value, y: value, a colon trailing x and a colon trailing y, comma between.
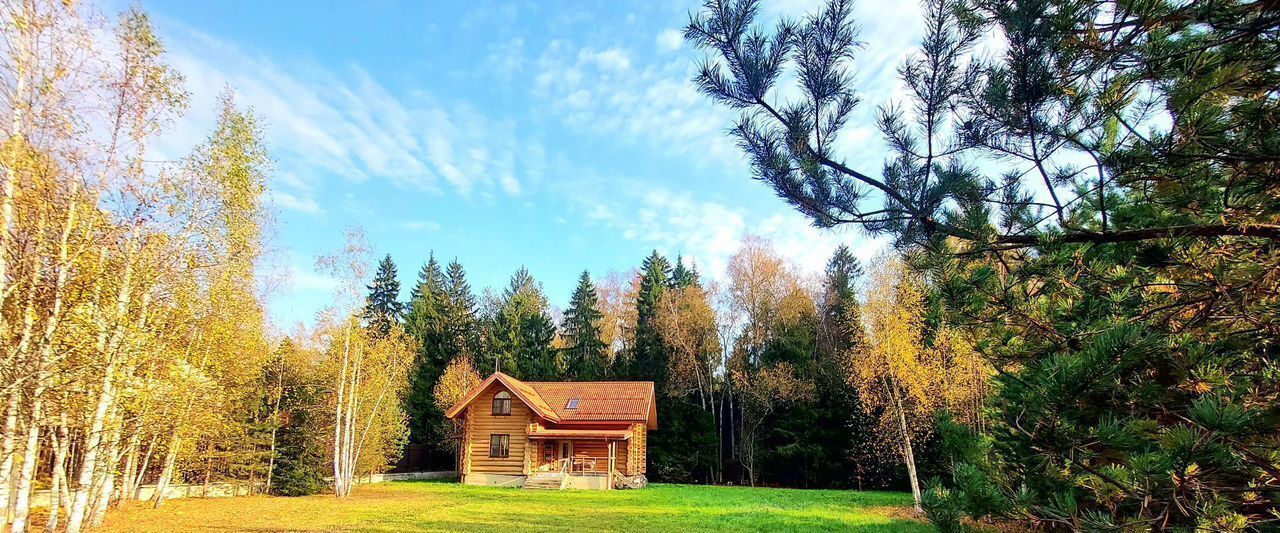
x: 557, y: 135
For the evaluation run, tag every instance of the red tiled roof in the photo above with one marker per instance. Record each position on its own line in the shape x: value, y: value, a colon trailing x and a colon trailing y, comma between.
x: 598, y: 401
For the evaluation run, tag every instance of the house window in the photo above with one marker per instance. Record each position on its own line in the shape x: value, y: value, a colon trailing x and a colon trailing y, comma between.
x: 502, y: 404
x: 573, y: 404
x: 499, y: 445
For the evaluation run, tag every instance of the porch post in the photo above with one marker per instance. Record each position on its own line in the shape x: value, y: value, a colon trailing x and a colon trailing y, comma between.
x: 613, y: 444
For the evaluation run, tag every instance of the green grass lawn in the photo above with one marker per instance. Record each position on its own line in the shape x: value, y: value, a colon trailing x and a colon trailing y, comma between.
x: 448, y: 506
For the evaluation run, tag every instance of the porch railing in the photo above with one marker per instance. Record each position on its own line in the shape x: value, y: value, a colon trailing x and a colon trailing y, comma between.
x: 579, y: 466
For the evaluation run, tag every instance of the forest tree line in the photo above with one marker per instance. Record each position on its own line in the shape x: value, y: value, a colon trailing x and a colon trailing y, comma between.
x: 768, y: 375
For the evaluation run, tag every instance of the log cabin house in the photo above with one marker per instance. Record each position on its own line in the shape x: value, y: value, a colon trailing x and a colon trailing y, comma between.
x: 581, y: 434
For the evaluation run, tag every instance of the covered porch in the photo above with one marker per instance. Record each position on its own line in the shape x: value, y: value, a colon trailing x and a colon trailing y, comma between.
x: 579, y: 458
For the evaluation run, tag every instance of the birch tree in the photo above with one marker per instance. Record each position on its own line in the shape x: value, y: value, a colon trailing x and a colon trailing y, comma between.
x: 762, y: 291
x: 106, y: 258
x: 369, y: 374
x: 687, y: 324
x: 905, y: 373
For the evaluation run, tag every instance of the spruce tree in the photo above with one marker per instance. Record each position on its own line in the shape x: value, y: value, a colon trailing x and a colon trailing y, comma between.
x: 425, y: 322
x: 383, y: 308
x: 681, y: 276
x: 299, y: 466
x: 585, y: 357
x: 521, y: 331
x: 462, y: 328
x: 842, y: 274
x: 649, y: 361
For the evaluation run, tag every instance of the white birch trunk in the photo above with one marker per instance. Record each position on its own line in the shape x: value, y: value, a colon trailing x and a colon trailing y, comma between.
x: 7, y: 449
x: 275, y: 425
x: 908, y: 454
x: 338, y: 466
x: 22, y: 59
x: 349, y: 427
x: 166, y: 473
x: 140, y: 476
x: 26, y: 474
x: 92, y: 448
x: 21, y: 358
x: 106, y: 400
x: 130, y: 470
x: 58, y: 477
x: 108, y: 477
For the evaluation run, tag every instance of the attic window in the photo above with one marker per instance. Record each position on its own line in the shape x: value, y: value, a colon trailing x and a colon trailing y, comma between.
x: 573, y: 404
x: 502, y: 404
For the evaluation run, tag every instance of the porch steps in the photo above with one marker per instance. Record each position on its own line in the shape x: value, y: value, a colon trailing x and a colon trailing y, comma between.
x: 544, y: 480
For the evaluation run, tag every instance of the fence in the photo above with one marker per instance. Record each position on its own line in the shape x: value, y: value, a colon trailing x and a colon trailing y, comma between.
x: 422, y: 458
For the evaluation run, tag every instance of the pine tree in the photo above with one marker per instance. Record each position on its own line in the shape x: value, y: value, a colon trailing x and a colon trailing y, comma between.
x: 585, y: 357
x: 383, y: 308
x: 1126, y: 377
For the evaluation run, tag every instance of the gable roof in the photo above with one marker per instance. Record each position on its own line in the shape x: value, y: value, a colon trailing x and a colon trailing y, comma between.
x: 598, y: 401
x: 526, y: 394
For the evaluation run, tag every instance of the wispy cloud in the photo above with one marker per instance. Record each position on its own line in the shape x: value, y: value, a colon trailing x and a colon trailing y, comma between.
x: 420, y: 225
x: 506, y: 59
x: 604, y: 92
x: 709, y: 232
x: 670, y: 39
x: 305, y: 279
x: 289, y: 201
x: 322, y: 123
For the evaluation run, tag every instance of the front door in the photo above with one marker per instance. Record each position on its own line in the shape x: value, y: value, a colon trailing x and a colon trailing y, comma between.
x: 548, y: 453
x: 566, y: 451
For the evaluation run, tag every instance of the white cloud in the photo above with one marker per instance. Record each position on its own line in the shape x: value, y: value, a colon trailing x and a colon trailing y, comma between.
x: 670, y: 40
x: 612, y: 59
x: 304, y: 279
x: 601, y: 92
x: 510, y: 185
x: 420, y: 225
x: 709, y: 232
x: 323, y: 123
x: 289, y: 201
